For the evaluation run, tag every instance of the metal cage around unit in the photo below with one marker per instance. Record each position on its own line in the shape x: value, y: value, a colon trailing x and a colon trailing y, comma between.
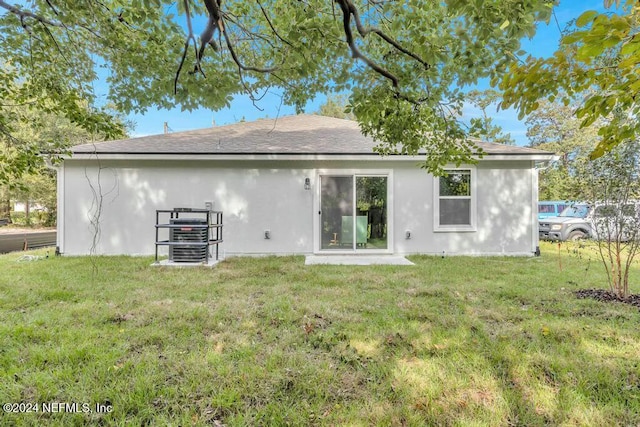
x: 192, y: 234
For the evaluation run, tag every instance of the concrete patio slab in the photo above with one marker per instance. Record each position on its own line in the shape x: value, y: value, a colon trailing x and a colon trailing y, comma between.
x: 356, y: 260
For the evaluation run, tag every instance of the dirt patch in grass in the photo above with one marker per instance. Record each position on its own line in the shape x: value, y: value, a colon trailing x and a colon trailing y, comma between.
x: 605, y: 295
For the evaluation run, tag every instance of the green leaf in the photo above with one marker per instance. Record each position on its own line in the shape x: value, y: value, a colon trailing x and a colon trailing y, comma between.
x: 630, y: 48
x: 574, y: 37
x: 589, y: 51
x: 586, y: 18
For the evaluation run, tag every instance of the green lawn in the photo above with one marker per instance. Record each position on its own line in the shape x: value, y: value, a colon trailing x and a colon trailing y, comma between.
x: 269, y: 341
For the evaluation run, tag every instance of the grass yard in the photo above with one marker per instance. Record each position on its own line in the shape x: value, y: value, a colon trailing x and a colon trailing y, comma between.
x: 453, y: 341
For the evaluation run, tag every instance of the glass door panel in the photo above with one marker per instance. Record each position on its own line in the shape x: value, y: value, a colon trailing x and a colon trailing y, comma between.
x: 336, y: 213
x: 371, y: 212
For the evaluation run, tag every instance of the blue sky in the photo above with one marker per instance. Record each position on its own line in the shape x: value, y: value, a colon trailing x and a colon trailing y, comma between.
x: 543, y: 44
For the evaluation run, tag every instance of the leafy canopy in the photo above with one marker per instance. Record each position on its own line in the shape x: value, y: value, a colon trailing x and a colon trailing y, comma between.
x: 483, y: 127
x: 597, y: 65
x: 335, y: 106
x: 554, y: 127
x: 404, y: 62
x: 23, y: 174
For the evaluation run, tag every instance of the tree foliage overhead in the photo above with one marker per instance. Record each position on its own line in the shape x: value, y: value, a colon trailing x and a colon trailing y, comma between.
x: 483, y: 127
x: 24, y: 175
x: 336, y: 106
x: 597, y: 65
x: 554, y: 127
x: 403, y: 61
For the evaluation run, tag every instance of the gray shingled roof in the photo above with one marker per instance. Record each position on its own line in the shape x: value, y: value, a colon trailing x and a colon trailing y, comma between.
x: 301, y: 134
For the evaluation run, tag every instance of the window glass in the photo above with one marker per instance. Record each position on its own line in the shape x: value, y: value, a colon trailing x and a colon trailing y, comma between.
x: 546, y: 209
x: 576, y: 211
x: 456, y: 183
x: 454, y: 198
x: 455, y: 212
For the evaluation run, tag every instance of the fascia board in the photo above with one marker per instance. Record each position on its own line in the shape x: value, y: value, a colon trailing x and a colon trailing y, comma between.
x: 543, y: 157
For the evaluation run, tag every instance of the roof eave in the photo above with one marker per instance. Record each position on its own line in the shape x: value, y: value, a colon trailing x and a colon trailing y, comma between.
x: 537, y: 157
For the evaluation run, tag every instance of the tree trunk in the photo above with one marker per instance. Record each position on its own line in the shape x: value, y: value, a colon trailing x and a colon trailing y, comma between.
x: 5, y: 209
x: 27, y: 219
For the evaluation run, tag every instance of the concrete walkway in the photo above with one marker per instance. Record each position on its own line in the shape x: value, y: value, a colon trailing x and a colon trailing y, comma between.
x: 357, y: 260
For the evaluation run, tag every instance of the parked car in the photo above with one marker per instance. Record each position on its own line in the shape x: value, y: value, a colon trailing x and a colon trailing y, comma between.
x: 570, y: 224
x: 548, y: 208
x: 578, y: 221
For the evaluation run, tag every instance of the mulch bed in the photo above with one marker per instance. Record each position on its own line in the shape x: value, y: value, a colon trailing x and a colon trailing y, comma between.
x: 605, y: 295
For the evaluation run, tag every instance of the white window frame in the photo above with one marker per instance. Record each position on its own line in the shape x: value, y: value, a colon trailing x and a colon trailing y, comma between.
x: 472, y: 197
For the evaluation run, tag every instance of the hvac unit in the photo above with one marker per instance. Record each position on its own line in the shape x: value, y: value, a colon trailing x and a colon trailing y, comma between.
x: 191, y: 238
x: 193, y: 232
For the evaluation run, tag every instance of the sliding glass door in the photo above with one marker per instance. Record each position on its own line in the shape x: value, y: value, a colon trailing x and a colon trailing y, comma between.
x: 353, y: 212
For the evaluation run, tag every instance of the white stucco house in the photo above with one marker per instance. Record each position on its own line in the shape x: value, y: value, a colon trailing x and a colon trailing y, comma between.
x: 301, y: 184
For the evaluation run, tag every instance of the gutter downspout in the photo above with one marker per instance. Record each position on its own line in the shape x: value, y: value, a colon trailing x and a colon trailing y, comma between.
x: 59, y: 202
x: 537, y: 167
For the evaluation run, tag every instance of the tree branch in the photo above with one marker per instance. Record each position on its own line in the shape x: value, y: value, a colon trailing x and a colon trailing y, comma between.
x: 250, y: 34
x: 275, y: 32
x: 232, y: 51
x: 190, y: 37
x: 22, y: 14
x: 213, y: 23
x: 184, y: 56
x: 52, y: 7
x: 348, y: 10
x: 366, y: 31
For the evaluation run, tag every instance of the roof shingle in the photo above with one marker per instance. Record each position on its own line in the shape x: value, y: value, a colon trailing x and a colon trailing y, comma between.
x: 301, y: 134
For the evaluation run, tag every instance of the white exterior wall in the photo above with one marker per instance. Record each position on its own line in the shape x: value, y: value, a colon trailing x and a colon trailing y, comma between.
x: 504, y: 207
x: 269, y: 195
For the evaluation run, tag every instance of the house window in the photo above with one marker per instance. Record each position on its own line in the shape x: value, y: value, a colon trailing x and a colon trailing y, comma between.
x: 455, y: 200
